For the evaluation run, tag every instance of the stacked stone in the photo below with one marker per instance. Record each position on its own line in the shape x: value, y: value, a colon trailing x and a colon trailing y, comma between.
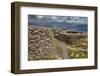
x: 69, y: 38
x: 40, y: 43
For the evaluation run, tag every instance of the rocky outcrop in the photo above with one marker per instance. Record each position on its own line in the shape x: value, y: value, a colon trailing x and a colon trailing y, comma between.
x: 40, y: 43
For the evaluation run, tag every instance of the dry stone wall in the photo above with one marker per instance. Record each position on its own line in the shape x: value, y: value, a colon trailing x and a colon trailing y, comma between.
x: 40, y: 43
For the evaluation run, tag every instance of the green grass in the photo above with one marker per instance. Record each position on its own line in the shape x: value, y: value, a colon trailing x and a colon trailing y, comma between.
x: 43, y: 58
x: 74, y: 54
x: 58, y: 48
x: 73, y: 51
x: 81, y: 43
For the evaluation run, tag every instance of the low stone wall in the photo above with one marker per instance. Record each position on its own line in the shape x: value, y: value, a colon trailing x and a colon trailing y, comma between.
x: 70, y: 38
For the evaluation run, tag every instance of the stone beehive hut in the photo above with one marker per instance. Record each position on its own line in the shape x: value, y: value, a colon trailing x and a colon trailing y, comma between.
x: 40, y: 43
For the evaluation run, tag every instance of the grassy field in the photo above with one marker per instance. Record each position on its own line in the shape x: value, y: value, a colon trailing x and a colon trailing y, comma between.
x: 74, y: 50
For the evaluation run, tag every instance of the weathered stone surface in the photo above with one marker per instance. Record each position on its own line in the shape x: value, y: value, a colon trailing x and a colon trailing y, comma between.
x: 40, y: 43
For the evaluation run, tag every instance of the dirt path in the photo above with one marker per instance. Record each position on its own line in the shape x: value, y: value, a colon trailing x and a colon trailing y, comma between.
x: 64, y: 52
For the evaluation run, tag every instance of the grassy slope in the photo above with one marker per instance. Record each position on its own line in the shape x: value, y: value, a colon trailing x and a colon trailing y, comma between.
x: 77, y: 50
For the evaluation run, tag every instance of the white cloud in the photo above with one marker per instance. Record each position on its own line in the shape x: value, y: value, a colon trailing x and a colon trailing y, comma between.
x: 40, y: 17
x: 67, y: 19
x: 54, y: 17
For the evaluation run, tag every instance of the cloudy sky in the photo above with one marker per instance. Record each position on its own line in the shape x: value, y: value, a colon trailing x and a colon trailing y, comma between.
x: 66, y: 19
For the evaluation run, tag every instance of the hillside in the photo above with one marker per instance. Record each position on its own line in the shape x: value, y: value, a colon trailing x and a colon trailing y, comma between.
x: 48, y: 43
